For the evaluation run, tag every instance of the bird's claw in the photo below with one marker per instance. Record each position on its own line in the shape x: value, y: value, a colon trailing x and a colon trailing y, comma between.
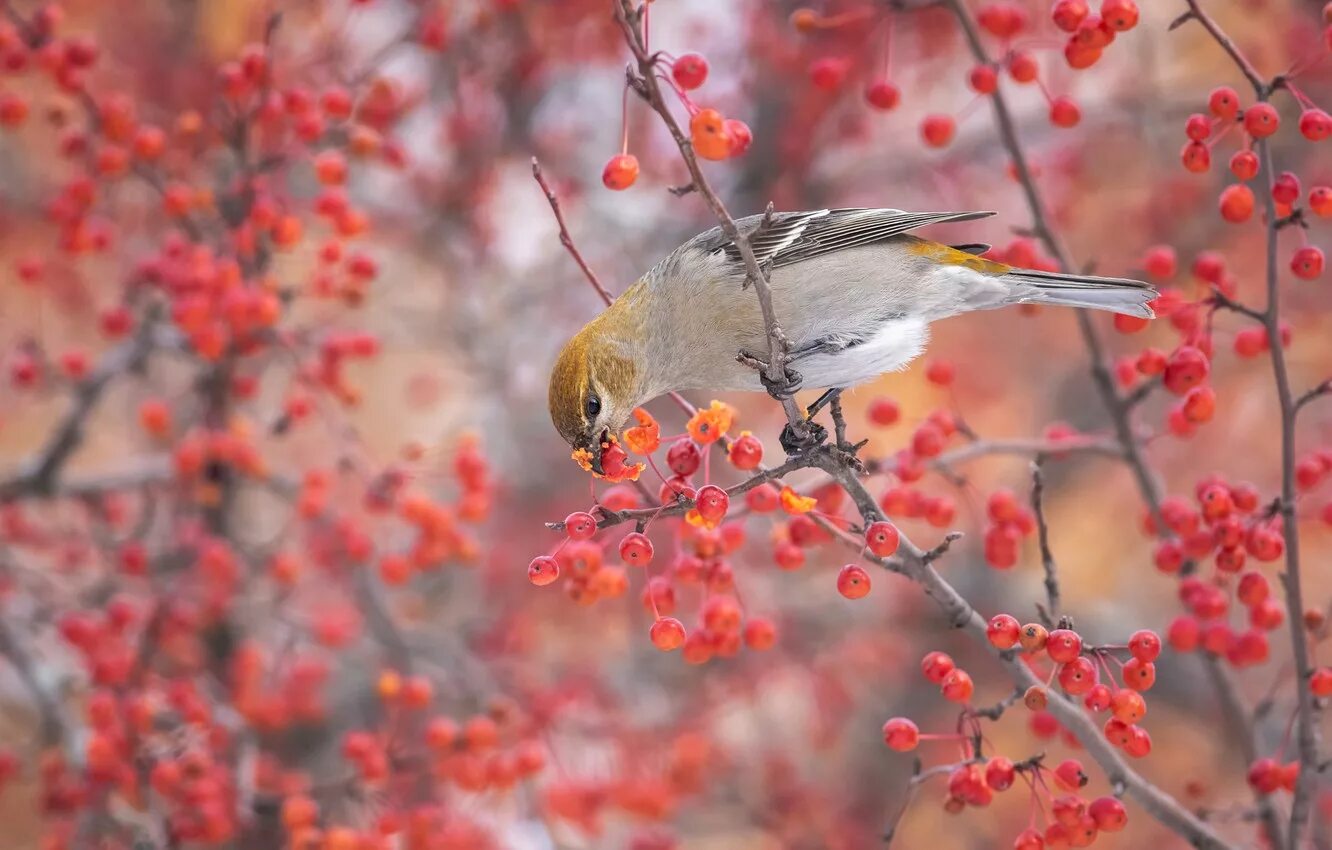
x: 794, y: 443
x: 785, y: 388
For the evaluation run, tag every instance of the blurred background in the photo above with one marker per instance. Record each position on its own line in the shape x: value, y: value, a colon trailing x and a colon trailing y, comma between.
x: 470, y: 298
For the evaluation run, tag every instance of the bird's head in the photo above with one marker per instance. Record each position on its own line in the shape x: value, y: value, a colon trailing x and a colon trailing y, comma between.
x: 594, y: 387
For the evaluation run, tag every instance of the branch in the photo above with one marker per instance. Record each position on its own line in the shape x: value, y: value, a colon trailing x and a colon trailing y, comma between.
x: 1232, y: 707
x: 1043, y: 534
x: 911, y: 561
x: 565, y: 239
x: 39, y: 475
x: 1306, y: 728
x: 777, y: 378
x: 49, y: 711
x: 1312, y: 394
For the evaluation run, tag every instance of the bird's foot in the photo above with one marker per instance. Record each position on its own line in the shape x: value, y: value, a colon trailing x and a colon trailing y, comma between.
x: 782, y: 389
x: 809, y: 435
x: 785, y: 388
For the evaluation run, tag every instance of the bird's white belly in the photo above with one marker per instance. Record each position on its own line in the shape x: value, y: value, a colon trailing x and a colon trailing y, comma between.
x: 896, y: 344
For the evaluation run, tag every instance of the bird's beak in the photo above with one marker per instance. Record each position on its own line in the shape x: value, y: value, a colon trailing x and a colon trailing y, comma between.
x: 592, y: 446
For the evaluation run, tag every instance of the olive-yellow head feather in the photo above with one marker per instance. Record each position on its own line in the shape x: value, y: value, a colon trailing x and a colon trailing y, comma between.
x: 596, y: 382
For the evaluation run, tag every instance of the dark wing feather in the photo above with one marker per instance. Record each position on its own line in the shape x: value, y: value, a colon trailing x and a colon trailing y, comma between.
x: 790, y: 238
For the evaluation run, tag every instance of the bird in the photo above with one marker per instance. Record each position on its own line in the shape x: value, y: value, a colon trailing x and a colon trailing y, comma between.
x: 855, y: 291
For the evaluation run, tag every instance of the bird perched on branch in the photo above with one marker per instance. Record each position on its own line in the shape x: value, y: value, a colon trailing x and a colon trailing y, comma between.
x: 853, y: 290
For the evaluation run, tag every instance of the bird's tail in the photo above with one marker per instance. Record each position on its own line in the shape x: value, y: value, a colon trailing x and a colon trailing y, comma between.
x: 1117, y: 295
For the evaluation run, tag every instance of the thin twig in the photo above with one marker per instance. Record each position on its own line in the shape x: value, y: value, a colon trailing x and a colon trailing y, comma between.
x: 565, y: 239
x: 1043, y: 536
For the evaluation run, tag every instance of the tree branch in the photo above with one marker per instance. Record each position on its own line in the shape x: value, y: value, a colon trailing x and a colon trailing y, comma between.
x: 775, y: 369
x: 565, y: 239
x: 1043, y: 534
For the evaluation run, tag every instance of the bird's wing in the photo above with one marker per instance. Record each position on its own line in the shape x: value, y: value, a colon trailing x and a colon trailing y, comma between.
x: 787, y: 238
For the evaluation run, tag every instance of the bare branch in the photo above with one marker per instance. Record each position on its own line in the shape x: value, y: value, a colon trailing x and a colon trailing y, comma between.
x: 778, y: 378
x: 1043, y: 535
x: 565, y: 239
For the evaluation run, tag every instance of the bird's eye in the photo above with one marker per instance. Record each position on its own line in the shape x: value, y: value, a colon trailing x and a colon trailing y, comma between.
x: 593, y: 406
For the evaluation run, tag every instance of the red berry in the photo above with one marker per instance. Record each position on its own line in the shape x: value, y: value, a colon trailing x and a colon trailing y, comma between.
x: 580, y: 526
x: 1315, y: 124
x: 940, y: 372
x: 901, y: 734
x: 1063, y: 645
x: 1261, y: 120
x: 1286, y: 188
x: 881, y: 94
x: 684, y: 457
x: 1145, y: 645
x: 1196, y: 157
x: 667, y: 633
x: 829, y: 72
x: 1078, y: 676
x: 760, y: 634
x: 636, y: 549
x: 1068, y: 14
x: 1108, y: 813
x: 1022, y: 66
x: 957, y: 686
x: 1320, y: 682
x: 1120, y: 15
x: 543, y: 570
x: 1001, y: 19
x: 1003, y: 631
x: 739, y: 134
x: 1307, y: 264
x: 983, y: 79
x: 746, y: 452
x: 1265, y: 775
x: 1138, y: 674
x: 1064, y: 112
x: 938, y: 130
x: 620, y: 172
x: 1223, y: 102
x: 1198, y: 127
x: 884, y: 412
x: 853, y: 582
x: 689, y: 71
x: 712, y: 503
x: 1187, y: 368
x: 882, y: 538
x: 1070, y: 776
x: 1236, y: 203
x: 1244, y: 165
x: 1160, y: 262
x: 1000, y: 773
x: 1320, y: 201
x: 936, y: 665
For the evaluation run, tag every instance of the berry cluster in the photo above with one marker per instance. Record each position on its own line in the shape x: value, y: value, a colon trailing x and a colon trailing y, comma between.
x: 1020, y: 40
x: 1226, y: 114
x: 1071, y: 820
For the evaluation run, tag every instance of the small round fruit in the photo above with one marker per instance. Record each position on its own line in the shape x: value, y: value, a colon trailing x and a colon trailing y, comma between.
x: 882, y: 538
x: 667, y: 634
x: 543, y: 570
x: 853, y: 582
x: 620, y: 172
x: 580, y: 525
x: 901, y: 734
